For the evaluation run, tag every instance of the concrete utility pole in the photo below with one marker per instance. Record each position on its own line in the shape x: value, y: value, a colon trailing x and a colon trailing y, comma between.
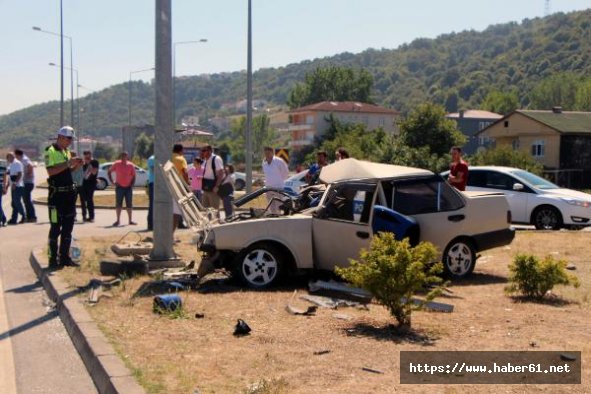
x: 249, y: 104
x: 163, y: 254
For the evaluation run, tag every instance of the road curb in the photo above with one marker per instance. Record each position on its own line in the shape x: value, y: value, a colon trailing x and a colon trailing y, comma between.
x: 108, y: 372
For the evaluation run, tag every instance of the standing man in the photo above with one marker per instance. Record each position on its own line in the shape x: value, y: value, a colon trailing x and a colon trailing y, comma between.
x: 458, y: 170
x: 90, y: 169
x: 29, y: 181
x: 314, y: 171
x: 17, y: 188
x: 180, y: 165
x: 151, y: 193
x: 78, y: 178
x: 276, y: 172
x: 213, y: 176
x: 124, y: 180
x: 61, y: 199
x: 3, y: 186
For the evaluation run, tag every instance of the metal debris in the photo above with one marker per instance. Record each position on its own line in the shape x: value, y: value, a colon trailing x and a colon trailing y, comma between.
x: 372, y: 370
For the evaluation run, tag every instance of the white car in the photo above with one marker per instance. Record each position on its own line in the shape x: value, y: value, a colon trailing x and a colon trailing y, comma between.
x: 294, y: 183
x: 532, y: 199
x: 102, y: 179
x: 360, y: 199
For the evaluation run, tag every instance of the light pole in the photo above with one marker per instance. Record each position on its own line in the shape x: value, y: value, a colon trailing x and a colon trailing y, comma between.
x: 200, y: 41
x: 129, y: 87
x: 249, y: 103
x: 76, y: 124
x: 62, y: 36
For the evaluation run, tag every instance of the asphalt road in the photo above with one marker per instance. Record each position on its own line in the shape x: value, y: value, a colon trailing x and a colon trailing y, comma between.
x: 36, y: 353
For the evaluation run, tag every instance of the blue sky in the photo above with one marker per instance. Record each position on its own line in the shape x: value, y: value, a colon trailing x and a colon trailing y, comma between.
x: 112, y: 38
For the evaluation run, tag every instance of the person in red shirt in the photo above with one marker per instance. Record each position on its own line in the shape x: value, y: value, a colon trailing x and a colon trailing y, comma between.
x: 124, y: 180
x: 458, y: 170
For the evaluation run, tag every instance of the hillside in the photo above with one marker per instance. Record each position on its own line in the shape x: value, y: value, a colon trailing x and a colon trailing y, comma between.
x: 456, y: 69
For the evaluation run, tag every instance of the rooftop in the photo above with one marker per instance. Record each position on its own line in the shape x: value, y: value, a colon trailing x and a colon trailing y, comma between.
x: 474, y: 114
x: 563, y: 121
x: 345, y: 106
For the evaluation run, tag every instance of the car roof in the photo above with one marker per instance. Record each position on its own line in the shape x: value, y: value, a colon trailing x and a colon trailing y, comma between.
x: 349, y: 169
x: 495, y: 168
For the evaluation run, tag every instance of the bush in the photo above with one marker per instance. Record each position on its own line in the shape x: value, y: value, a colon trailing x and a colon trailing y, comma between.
x: 534, y: 278
x: 393, y: 272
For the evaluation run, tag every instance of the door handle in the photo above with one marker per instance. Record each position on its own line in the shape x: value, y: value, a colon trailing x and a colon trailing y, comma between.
x: 362, y: 234
x: 456, y: 218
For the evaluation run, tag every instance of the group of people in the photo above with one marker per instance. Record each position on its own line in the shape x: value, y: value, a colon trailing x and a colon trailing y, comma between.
x: 18, y: 177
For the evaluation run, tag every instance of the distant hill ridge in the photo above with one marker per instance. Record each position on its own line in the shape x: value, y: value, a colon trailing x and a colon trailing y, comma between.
x: 456, y: 70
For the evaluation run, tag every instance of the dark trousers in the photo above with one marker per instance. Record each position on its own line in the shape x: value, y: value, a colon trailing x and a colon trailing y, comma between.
x: 28, y: 201
x: 87, y: 201
x: 62, y: 211
x: 2, y: 215
x: 151, y: 206
x: 16, y: 194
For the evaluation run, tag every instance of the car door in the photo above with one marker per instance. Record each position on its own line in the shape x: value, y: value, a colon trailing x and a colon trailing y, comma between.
x: 141, y: 177
x: 342, y: 226
x: 496, y: 181
x: 438, y: 209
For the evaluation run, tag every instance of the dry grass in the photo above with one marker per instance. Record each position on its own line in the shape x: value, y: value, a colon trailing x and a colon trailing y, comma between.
x: 182, y: 355
x: 140, y: 200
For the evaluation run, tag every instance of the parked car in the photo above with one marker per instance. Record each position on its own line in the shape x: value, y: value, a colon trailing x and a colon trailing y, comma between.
x: 294, y: 183
x: 102, y: 179
x: 533, y: 199
x: 360, y: 199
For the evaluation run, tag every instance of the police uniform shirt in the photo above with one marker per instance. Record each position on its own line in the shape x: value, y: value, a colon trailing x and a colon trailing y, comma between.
x: 54, y: 156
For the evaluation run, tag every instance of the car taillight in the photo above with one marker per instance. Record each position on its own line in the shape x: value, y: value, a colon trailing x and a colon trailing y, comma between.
x: 508, y: 216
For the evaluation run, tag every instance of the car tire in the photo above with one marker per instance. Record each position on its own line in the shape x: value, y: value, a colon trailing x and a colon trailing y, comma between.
x: 546, y: 217
x: 459, y: 258
x: 240, y: 184
x: 259, y: 266
x: 101, y: 184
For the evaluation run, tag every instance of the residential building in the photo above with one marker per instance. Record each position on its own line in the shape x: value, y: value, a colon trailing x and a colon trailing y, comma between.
x: 560, y: 140
x: 305, y: 123
x: 470, y: 122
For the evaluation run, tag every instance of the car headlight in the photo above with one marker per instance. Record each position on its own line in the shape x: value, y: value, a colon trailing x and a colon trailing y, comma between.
x: 577, y: 203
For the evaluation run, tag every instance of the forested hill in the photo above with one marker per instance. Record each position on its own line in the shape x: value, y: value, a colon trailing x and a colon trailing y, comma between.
x: 457, y: 70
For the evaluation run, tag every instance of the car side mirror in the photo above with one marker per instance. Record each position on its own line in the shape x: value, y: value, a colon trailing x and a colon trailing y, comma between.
x: 518, y: 187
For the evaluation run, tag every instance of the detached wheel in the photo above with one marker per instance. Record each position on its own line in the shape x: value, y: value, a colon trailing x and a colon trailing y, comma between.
x: 239, y: 184
x: 459, y: 258
x: 101, y: 184
x: 260, y: 266
x: 547, y: 218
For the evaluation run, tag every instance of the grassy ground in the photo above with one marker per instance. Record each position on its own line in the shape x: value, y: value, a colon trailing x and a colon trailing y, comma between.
x: 181, y: 354
x: 140, y: 200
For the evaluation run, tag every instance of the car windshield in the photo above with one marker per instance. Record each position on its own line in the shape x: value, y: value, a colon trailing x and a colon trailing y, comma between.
x: 534, y: 180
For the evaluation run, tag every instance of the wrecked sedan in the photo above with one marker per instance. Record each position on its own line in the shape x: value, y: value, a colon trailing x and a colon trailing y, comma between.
x: 360, y: 199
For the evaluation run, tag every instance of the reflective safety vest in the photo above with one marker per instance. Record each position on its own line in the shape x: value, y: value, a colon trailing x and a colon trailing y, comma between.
x: 54, y: 156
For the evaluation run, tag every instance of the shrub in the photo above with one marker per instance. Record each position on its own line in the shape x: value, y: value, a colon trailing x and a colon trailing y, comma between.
x: 534, y: 278
x: 393, y: 272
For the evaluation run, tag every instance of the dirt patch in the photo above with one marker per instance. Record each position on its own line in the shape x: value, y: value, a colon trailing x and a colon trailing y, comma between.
x: 325, y: 353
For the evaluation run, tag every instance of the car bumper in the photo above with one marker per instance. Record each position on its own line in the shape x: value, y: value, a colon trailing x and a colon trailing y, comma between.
x: 494, y: 239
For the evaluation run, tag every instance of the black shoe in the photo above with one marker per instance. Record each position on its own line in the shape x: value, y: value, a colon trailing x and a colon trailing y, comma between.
x: 68, y: 262
x: 23, y: 220
x: 32, y: 220
x: 11, y: 222
x: 53, y: 264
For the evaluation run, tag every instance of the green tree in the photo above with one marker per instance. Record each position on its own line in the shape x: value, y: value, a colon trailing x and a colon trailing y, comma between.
x: 506, y: 156
x: 104, y: 152
x: 556, y: 90
x: 144, y: 146
x: 501, y: 102
x: 332, y: 84
x: 262, y: 134
x: 583, y: 96
x: 394, y: 272
x: 428, y: 126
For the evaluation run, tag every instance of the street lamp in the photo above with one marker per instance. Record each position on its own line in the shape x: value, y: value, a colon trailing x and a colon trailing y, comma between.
x: 36, y: 28
x: 76, y: 124
x: 249, y: 102
x: 200, y: 41
x: 129, y: 87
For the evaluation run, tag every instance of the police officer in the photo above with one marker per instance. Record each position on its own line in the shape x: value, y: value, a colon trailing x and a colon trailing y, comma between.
x: 62, y: 197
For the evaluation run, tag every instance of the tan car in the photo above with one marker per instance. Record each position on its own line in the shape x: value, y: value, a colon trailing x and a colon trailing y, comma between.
x: 361, y: 198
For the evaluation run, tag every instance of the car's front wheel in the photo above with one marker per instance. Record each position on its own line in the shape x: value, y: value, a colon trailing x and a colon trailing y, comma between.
x: 101, y: 184
x: 259, y: 266
x: 459, y: 258
x: 547, y: 218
